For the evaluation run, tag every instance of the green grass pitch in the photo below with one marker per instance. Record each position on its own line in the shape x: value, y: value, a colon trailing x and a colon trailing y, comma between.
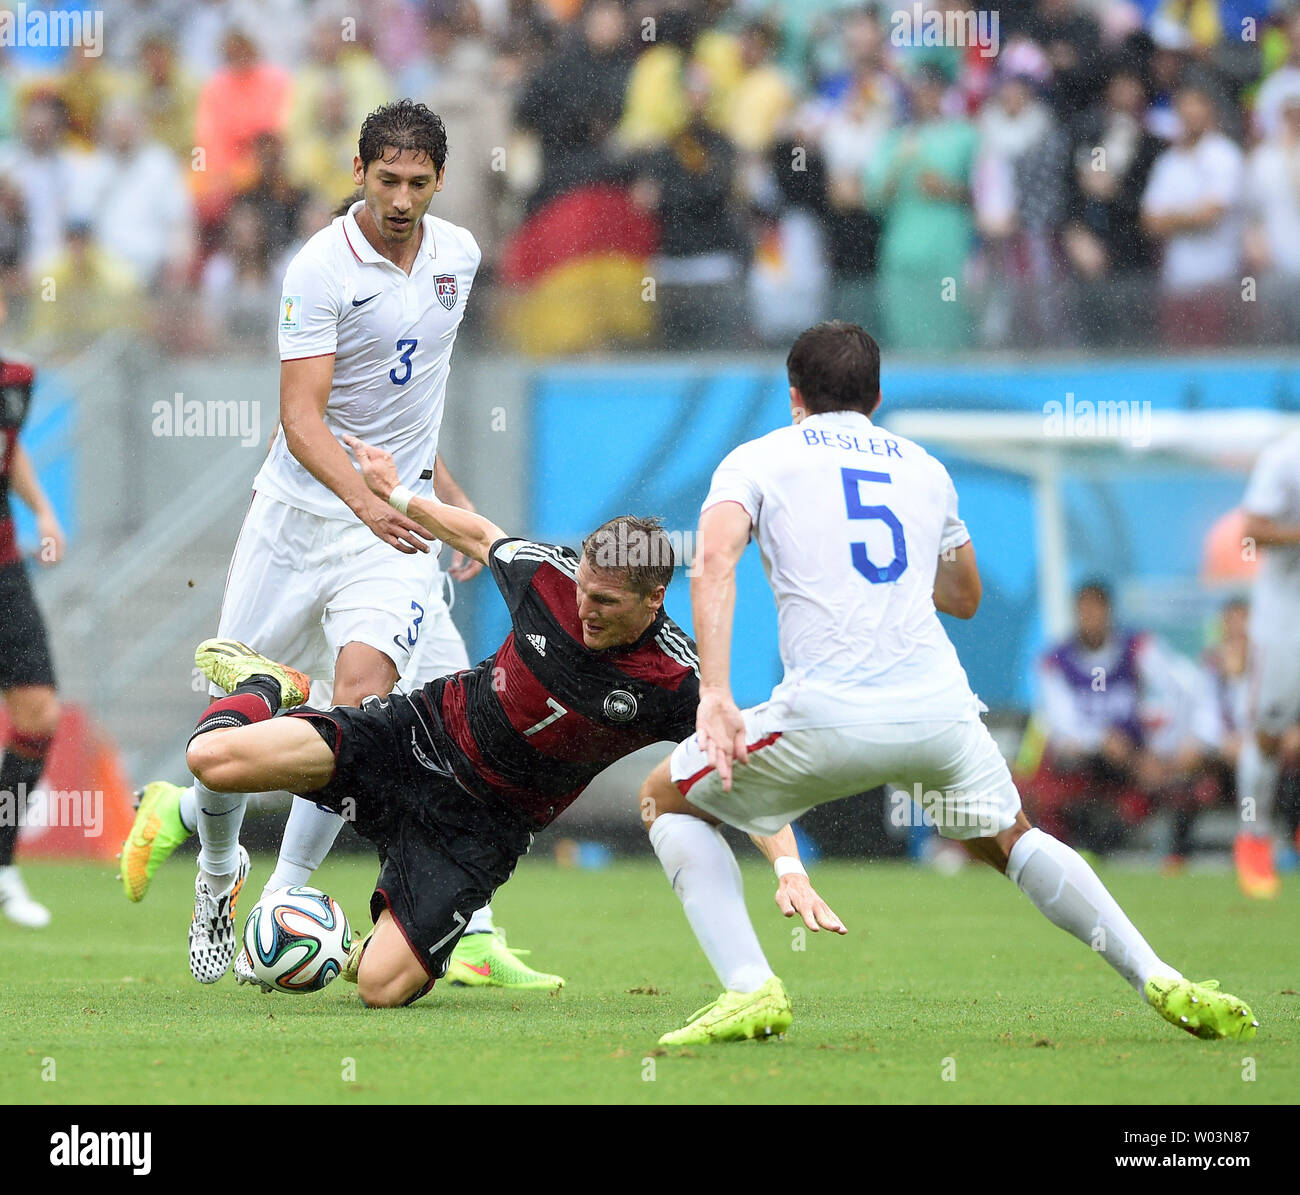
x: 947, y: 990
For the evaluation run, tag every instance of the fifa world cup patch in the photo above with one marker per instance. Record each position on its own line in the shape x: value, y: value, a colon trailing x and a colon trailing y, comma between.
x: 444, y: 286
x: 290, y: 313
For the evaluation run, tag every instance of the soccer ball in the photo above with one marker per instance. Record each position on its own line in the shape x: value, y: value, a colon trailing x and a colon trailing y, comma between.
x: 297, y: 939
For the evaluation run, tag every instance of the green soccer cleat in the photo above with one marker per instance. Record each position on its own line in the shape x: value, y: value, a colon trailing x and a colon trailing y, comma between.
x: 228, y: 663
x: 1201, y: 1008
x: 352, y: 964
x: 155, y: 833
x: 484, y: 960
x: 737, y: 1016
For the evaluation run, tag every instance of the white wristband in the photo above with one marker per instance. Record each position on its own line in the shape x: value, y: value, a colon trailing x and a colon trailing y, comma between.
x: 400, y: 498
x: 788, y: 865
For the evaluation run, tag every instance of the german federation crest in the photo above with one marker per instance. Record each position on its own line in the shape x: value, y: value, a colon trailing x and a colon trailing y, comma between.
x: 620, y: 706
x: 444, y: 286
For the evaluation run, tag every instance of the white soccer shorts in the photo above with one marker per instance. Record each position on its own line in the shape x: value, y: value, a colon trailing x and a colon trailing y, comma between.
x: 301, y: 586
x: 953, y: 769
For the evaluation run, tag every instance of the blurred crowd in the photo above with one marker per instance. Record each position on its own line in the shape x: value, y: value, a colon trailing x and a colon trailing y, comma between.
x: 1085, y: 173
x: 1126, y: 728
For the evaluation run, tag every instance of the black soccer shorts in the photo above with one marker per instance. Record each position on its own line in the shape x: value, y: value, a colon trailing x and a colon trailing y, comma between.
x: 24, y: 649
x: 444, y: 850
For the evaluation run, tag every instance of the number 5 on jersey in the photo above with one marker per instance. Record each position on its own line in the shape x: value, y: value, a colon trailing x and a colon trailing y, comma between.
x: 877, y: 574
x: 404, y: 350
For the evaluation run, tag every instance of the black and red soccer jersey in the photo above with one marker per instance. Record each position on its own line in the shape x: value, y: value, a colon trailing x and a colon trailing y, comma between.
x: 537, y: 721
x: 15, y: 399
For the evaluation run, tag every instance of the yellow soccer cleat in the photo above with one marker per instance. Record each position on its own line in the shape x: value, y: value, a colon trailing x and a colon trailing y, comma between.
x: 155, y: 833
x: 1201, y: 1009
x: 737, y: 1016
x: 228, y: 663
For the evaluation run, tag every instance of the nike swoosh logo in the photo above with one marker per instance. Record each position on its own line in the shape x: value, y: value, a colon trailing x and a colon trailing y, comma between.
x: 363, y: 302
x: 209, y: 812
x: 484, y: 970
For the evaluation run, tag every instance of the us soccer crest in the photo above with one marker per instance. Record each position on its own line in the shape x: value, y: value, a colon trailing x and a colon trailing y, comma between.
x: 444, y: 286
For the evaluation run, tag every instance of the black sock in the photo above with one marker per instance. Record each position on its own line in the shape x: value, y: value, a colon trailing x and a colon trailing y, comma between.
x: 253, y: 700
x: 19, y: 774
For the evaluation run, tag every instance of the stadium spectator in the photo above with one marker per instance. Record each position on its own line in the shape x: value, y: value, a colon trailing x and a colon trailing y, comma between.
x: 1272, y: 202
x: 756, y: 106
x: 278, y: 202
x: 466, y: 89
x: 1111, y: 254
x: 849, y: 120
x: 332, y: 92
x: 573, y: 101
x: 1177, y: 770
x: 1071, y: 38
x: 689, y: 184
x: 52, y: 176
x: 1192, y: 204
x: 1226, y: 662
x: 1084, y: 790
x: 168, y: 95
x: 246, y: 97
x: 789, y: 280
x: 13, y: 241
x: 1281, y: 83
x: 142, y: 210
x: 920, y: 183
x: 238, y: 284
x: 82, y: 292
x: 1019, y: 200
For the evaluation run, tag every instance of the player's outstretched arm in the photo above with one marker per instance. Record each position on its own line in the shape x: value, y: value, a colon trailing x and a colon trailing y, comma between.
x: 304, y: 392
x: 794, y: 891
x: 719, y: 726
x: 463, y: 530
x: 957, y: 585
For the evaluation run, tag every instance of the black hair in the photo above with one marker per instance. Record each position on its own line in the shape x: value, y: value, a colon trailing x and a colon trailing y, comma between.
x: 835, y: 366
x: 1095, y: 587
x: 401, y: 125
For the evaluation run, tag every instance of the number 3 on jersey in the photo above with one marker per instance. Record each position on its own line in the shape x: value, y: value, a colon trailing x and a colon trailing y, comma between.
x: 404, y: 349
x: 875, y: 573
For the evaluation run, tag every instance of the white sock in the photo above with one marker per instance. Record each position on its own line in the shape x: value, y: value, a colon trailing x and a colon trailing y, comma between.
x: 1068, y: 893
x: 219, y: 817
x: 481, y: 922
x: 189, y: 810
x: 703, y: 872
x: 1257, y: 777
x: 308, y: 835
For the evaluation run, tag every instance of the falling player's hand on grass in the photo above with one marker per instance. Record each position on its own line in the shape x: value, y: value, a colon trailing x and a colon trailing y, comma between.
x: 795, y: 894
x: 380, y: 473
x: 720, y: 729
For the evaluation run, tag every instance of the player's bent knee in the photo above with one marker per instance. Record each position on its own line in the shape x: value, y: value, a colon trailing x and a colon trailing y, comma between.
x: 659, y: 795
x: 383, y: 988
x: 210, y: 763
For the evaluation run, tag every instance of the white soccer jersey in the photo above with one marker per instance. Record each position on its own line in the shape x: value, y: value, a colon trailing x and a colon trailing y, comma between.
x: 1274, y: 492
x: 851, y: 520
x: 392, y: 336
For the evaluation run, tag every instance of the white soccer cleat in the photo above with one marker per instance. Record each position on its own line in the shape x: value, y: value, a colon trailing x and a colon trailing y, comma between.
x: 212, y: 928
x: 244, y: 971
x: 17, y: 903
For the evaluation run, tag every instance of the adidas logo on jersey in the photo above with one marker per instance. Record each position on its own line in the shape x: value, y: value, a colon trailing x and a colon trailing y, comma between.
x: 539, y: 642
